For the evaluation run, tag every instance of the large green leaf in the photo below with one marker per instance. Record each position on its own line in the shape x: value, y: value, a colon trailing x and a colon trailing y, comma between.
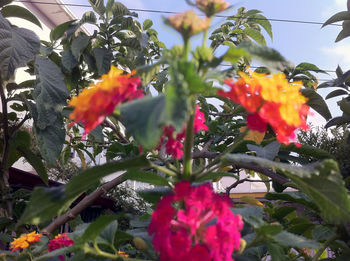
x: 20, y: 12
x: 79, y: 44
x: 255, y: 35
x: 98, y: 6
x: 147, y: 177
x: 316, y: 102
x: 17, y: 47
x: 345, y: 32
x: 144, y: 120
x: 50, y: 94
x: 119, y: 9
x: 59, y: 30
x: 322, y: 182
x: 265, y: 23
x: 291, y: 240
x: 46, y: 203
x: 96, y: 227
x: 103, y: 60
x: 341, y: 16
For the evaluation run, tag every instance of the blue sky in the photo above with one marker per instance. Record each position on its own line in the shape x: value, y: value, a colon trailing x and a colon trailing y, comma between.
x: 297, y: 42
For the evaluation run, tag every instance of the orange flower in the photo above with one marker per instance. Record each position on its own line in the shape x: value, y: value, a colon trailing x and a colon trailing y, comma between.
x: 211, y: 7
x: 93, y: 104
x: 122, y: 253
x: 188, y: 23
x: 270, y: 99
x: 24, y: 241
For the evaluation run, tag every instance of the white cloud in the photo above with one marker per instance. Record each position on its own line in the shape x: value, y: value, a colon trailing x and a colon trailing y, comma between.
x: 334, y: 7
x: 338, y: 54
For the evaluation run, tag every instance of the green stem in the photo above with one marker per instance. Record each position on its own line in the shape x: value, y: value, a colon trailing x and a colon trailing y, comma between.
x: 188, y: 145
x: 325, y: 245
x: 187, y: 48
x: 164, y: 170
x: 205, y: 38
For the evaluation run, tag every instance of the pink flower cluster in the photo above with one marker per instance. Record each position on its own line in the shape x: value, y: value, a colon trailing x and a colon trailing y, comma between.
x: 173, y: 144
x: 195, y: 224
x: 61, y: 240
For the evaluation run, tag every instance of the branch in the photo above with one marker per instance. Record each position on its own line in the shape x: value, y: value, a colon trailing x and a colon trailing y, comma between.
x: 83, y: 204
x: 19, y: 125
x: 229, y: 188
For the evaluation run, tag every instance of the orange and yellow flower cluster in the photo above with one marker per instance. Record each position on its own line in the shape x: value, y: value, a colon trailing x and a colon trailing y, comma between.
x: 93, y: 104
x: 25, y: 240
x: 270, y: 100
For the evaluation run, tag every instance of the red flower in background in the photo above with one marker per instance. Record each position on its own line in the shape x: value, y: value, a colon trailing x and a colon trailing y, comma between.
x: 194, y: 223
x: 61, y: 240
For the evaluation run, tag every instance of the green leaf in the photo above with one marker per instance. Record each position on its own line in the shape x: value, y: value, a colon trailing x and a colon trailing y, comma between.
x: 322, y: 182
x: 103, y: 60
x: 46, y: 203
x: 345, y: 32
x: 108, y: 234
x: 35, y: 161
x: 143, y: 119
x: 59, y: 30
x: 344, y: 105
x: 269, y: 152
x: 234, y: 54
x: 50, y: 94
x: 308, y: 150
x: 265, y: 23
x: 20, y: 12
x: 98, y: 6
x: 147, y: 24
x: 316, y: 102
x: 293, y: 197
x: 341, y: 16
x: 147, y: 177
x: 119, y: 9
x: 79, y: 44
x: 336, y: 93
x: 291, y: 240
x: 96, y: 227
x: 109, y: 7
x: 68, y: 60
x: 18, y: 46
x: 255, y: 35
x: 276, y: 252
x: 216, y: 175
x: 337, y: 121
x: 308, y: 67
x: 88, y: 17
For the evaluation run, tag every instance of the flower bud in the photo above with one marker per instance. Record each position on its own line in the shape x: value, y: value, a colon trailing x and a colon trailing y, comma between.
x: 211, y: 7
x: 139, y: 243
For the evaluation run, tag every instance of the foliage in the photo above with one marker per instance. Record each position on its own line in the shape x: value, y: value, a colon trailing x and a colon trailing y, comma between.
x: 143, y: 138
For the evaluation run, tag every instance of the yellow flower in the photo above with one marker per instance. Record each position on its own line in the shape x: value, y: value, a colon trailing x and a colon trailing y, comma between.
x: 211, y: 7
x: 122, y: 253
x: 93, y: 104
x: 25, y: 240
x: 188, y: 23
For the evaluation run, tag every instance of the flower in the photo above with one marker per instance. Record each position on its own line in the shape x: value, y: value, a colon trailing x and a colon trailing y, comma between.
x: 188, y: 23
x: 211, y: 7
x: 122, y: 253
x: 194, y: 223
x: 61, y: 240
x: 270, y: 100
x: 173, y: 144
x: 93, y: 104
x: 25, y: 240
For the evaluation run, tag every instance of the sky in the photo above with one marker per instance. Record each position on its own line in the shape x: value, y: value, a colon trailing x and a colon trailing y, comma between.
x: 296, y: 42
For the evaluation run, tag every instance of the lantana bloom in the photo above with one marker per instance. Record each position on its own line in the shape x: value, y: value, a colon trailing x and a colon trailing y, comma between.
x: 211, y: 7
x: 270, y: 100
x: 196, y: 224
x: 93, y: 104
x: 123, y: 254
x: 174, y: 143
x: 61, y: 240
x: 188, y: 23
x: 25, y: 240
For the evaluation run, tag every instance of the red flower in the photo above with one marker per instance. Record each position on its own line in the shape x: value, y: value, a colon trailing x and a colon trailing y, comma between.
x: 61, y: 240
x: 194, y: 223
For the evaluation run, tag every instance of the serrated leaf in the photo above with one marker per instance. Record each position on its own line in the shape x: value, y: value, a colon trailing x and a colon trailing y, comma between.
x: 79, y: 44
x: 103, y: 59
x: 316, y: 102
x: 263, y: 21
x: 322, y: 182
x: 143, y: 120
x: 146, y: 177
x: 17, y: 47
x: 19, y: 12
x: 45, y: 203
x: 255, y: 35
x: 341, y: 16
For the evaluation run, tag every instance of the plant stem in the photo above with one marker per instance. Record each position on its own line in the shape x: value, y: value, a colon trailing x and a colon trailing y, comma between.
x: 187, y: 48
x: 188, y: 145
x: 325, y: 245
x: 205, y: 37
x: 164, y: 170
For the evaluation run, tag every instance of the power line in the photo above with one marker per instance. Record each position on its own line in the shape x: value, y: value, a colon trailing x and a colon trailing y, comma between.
x: 320, y: 70
x: 172, y: 12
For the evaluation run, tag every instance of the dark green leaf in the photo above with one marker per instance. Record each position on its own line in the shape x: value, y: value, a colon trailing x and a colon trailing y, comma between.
x: 345, y: 32
x: 336, y: 121
x: 234, y: 54
x: 316, y: 102
x: 216, y: 175
x: 308, y: 67
x: 308, y: 150
x: 79, y: 44
x: 269, y: 152
x: 147, y: 177
x: 98, y: 6
x: 336, y: 93
x: 322, y: 182
x: 276, y: 252
x: 50, y: 94
x: 341, y: 16
x: 107, y: 236
x: 88, y: 17
x: 20, y: 12
x: 147, y: 24
x: 255, y: 35
x: 17, y: 47
x: 103, y: 60
x: 68, y: 60
x: 291, y: 240
x: 59, y: 30
x: 143, y: 120
x: 96, y: 227
x: 265, y: 23
x: 344, y: 105
x: 291, y: 197
x: 119, y: 9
